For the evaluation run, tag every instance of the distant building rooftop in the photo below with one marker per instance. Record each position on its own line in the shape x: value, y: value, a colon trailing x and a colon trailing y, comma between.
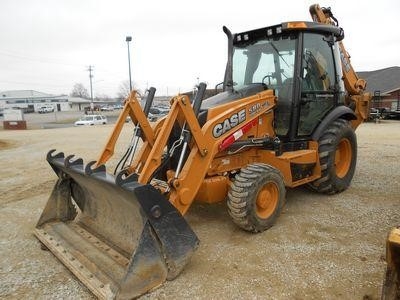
x: 78, y: 100
x: 23, y: 94
x: 384, y: 80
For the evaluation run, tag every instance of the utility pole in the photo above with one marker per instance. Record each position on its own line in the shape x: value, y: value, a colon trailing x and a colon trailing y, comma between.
x: 90, y: 69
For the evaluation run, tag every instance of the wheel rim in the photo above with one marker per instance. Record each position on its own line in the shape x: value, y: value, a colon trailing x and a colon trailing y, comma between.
x: 267, y: 199
x: 343, y: 156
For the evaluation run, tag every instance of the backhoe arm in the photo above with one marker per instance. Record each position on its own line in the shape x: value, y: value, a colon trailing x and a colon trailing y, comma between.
x: 354, y: 85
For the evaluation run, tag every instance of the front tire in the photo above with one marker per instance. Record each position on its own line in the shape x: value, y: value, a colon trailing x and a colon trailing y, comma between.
x: 256, y: 197
x: 337, y: 155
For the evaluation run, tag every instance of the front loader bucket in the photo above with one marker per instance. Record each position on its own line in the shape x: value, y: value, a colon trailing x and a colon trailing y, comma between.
x: 119, y: 237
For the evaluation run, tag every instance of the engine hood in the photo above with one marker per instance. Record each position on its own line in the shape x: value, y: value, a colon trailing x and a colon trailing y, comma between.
x: 229, y: 96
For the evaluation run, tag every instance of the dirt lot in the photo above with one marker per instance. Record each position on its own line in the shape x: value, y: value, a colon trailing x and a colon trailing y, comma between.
x: 322, y: 247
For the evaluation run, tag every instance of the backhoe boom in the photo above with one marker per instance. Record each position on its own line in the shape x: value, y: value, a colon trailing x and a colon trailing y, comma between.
x: 357, y: 97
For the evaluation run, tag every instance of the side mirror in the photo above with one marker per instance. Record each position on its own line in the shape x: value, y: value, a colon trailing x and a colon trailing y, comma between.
x: 340, y: 37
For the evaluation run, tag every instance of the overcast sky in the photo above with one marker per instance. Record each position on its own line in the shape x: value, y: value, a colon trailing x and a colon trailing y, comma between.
x: 48, y: 45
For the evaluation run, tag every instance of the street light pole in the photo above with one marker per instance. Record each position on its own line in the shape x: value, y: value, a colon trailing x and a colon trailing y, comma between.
x: 129, y: 39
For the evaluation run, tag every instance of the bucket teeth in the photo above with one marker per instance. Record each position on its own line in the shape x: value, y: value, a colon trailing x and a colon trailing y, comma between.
x: 59, y: 161
x: 51, y: 159
x: 98, y: 170
x: 68, y: 162
x: 50, y: 155
x: 123, y: 178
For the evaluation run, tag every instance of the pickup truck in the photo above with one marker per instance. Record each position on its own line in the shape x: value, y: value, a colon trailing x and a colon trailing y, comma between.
x: 45, y: 109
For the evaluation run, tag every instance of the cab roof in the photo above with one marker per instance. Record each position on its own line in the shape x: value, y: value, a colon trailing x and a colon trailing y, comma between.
x: 286, y: 28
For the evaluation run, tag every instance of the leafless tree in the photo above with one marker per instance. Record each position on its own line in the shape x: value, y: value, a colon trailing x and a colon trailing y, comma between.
x: 79, y: 90
x: 124, y: 90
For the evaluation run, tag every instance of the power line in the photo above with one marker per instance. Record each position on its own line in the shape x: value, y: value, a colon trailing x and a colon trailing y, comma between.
x: 50, y: 61
x: 36, y: 59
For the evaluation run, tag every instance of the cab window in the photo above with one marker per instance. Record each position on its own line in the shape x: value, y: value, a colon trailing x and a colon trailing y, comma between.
x: 269, y: 62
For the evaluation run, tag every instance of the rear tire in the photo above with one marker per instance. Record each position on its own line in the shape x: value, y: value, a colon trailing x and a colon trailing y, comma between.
x: 337, y: 156
x: 256, y: 197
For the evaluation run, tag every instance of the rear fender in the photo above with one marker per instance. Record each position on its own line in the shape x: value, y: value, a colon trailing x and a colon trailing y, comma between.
x: 342, y: 112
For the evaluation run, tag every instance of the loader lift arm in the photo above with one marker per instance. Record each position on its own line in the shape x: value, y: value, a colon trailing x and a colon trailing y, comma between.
x: 132, y: 109
x: 203, y: 148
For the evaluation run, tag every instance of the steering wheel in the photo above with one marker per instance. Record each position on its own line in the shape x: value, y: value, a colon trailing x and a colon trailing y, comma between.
x: 269, y: 79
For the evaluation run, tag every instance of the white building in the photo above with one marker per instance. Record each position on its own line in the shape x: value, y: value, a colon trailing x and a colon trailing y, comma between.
x: 31, y: 101
x: 78, y: 104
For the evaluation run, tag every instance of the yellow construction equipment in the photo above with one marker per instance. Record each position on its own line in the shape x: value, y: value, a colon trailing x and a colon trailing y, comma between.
x: 286, y: 117
x: 391, y: 282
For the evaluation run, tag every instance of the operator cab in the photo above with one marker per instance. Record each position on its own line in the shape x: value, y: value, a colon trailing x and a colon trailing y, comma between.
x: 273, y: 58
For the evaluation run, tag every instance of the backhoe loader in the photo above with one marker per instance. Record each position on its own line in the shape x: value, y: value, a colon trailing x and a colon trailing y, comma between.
x: 286, y: 117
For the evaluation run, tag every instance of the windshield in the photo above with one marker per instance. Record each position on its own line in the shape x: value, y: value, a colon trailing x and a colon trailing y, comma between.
x: 268, y: 61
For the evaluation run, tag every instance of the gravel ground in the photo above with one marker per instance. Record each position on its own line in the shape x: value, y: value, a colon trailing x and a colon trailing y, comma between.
x: 322, y: 247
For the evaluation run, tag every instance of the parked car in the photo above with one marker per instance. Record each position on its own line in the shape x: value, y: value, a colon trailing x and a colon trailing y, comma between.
x: 45, y: 109
x: 374, y: 114
x: 152, y: 118
x: 107, y: 108
x: 161, y: 111
x: 88, y: 109
x: 91, y: 120
x: 393, y: 114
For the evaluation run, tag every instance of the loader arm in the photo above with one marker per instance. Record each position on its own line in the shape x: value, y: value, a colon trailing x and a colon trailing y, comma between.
x: 197, y: 164
x: 354, y: 85
x: 204, y: 147
x: 132, y: 109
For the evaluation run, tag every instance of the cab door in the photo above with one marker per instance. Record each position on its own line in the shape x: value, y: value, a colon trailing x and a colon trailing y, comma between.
x: 318, y: 82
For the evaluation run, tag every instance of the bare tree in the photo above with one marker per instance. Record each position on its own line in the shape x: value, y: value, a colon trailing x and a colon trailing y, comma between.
x: 124, y: 90
x: 79, y: 90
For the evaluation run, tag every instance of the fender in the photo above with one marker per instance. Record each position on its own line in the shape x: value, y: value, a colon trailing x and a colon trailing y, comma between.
x: 343, y: 112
